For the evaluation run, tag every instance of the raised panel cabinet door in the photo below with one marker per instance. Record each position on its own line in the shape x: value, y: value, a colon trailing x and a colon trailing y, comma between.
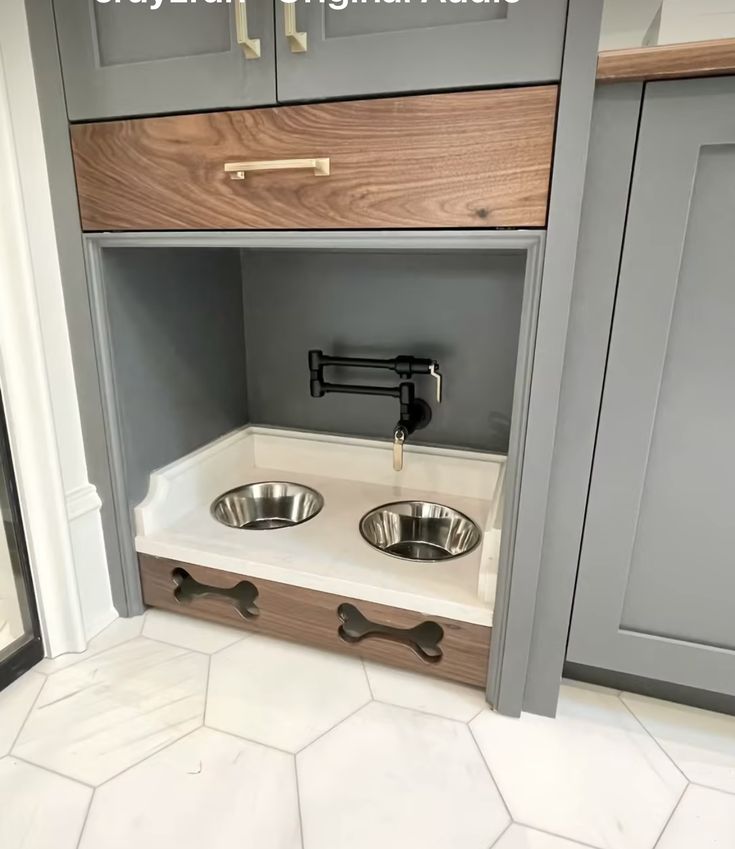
x: 122, y: 59
x: 350, y: 49
x: 656, y: 588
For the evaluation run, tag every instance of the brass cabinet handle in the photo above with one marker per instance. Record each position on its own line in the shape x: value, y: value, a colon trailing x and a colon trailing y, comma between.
x: 297, y: 41
x: 238, y: 170
x: 250, y: 46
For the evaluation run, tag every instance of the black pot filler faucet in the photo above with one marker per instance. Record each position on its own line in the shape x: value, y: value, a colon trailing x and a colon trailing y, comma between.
x: 415, y: 414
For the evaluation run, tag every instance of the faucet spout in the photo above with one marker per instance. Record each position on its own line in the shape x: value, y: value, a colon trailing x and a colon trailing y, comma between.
x: 415, y: 413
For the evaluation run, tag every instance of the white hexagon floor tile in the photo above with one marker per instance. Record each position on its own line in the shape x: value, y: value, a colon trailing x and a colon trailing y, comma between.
x: 393, y: 777
x: 39, y: 810
x: 118, y: 632
x: 592, y: 774
x: 520, y: 837
x: 208, y: 790
x: 282, y: 694
x: 701, y: 743
x: 15, y: 704
x: 106, y: 713
x: 189, y: 633
x: 420, y: 692
x: 705, y: 819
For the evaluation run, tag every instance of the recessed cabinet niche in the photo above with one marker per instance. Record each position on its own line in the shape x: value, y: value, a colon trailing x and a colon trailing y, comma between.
x: 123, y: 58
x: 207, y: 352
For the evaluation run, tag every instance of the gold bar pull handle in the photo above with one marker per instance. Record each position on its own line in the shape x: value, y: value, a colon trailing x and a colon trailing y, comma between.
x: 297, y: 41
x: 238, y: 170
x: 250, y: 46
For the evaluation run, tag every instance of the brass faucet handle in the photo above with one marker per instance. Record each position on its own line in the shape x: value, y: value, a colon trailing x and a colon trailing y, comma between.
x: 399, y: 440
x: 436, y: 374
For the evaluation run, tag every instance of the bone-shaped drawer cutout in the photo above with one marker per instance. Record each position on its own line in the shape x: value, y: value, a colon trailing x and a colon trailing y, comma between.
x: 242, y: 596
x: 424, y: 639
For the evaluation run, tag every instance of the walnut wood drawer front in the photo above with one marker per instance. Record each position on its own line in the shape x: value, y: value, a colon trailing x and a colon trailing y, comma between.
x: 473, y: 159
x: 432, y: 645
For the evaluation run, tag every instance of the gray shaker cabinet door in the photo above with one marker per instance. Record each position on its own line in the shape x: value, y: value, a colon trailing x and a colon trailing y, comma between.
x: 123, y: 59
x: 380, y: 48
x: 656, y: 587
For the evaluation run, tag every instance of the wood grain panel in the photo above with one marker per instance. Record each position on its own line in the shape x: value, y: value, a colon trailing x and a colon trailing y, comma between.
x: 474, y: 159
x: 310, y: 617
x: 668, y: 62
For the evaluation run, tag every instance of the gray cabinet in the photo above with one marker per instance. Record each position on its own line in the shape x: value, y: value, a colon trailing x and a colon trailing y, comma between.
x: 378, y: 48
x: 124, y: 59
x: 135, y: 58
x: 656, y: 586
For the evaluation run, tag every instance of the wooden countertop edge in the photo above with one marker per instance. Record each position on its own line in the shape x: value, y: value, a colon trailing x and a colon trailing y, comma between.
x: 667, y: 62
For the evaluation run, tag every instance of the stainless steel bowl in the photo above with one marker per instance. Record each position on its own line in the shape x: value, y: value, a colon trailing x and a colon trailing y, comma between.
x: 267, y: 506
x: 420, y: 531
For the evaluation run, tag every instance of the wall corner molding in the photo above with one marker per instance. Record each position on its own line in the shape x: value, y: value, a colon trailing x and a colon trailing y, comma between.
x: 81, y: 501
x: 61, y: 509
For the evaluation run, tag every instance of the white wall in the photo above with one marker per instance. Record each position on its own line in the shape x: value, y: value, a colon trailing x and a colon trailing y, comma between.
x: 61, y: 507
x: 625, y: 22
x: 696, y: 20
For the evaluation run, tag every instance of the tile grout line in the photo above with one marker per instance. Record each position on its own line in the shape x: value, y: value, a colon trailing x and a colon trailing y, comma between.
x: 666, y: 754
x: 367, y: 679
x: 298, y: 800
x: 81, y: 658
x: 479, y: 713
x: 571, y: 840
x: 428, y: 713
x: 175, y: 645
x: 27, y: 716
x: 86, y: 818
x: 490, y: 772
x: 336, y: 724
x: 501, y: 835
x: 52, y: 771
x: 243, y: 635
x: 205, y: 707
x: 248, y: 740
x: 710, y: 787
x: 670, y: 816
x: 149, y: 756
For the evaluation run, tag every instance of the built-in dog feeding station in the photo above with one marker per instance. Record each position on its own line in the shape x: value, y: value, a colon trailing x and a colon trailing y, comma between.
x: 319, y: 436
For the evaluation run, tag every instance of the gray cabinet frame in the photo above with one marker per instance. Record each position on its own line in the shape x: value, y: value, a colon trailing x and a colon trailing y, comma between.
x: 609, y: 171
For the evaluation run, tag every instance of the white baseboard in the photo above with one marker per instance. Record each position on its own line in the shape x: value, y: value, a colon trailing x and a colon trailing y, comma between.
x: 83, y: 506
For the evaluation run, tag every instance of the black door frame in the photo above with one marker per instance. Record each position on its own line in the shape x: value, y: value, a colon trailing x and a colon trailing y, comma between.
x: 27, y: 650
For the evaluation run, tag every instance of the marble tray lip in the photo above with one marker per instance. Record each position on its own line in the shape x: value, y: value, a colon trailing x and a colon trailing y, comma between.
x: 243, y: 445
x: 207, y: 546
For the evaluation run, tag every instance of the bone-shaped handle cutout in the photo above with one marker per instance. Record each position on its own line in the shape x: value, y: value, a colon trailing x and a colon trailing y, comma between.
x: 243, y: 595
x: 424, y: 639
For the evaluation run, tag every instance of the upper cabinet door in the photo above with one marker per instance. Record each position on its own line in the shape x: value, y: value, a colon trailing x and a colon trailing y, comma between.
x: 124, y: 59
x: 378, y: 48
x: 656, y: 588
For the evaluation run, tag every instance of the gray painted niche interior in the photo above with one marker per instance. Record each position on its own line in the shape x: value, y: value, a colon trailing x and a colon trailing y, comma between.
x: 462, y: 308
x: 205, y: 340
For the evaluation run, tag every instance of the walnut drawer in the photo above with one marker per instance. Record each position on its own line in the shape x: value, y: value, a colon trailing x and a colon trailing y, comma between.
x: 471, y: 159
x: 313, y: 618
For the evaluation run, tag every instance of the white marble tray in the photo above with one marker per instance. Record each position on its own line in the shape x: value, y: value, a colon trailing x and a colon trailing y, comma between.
x: 328, y: 553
